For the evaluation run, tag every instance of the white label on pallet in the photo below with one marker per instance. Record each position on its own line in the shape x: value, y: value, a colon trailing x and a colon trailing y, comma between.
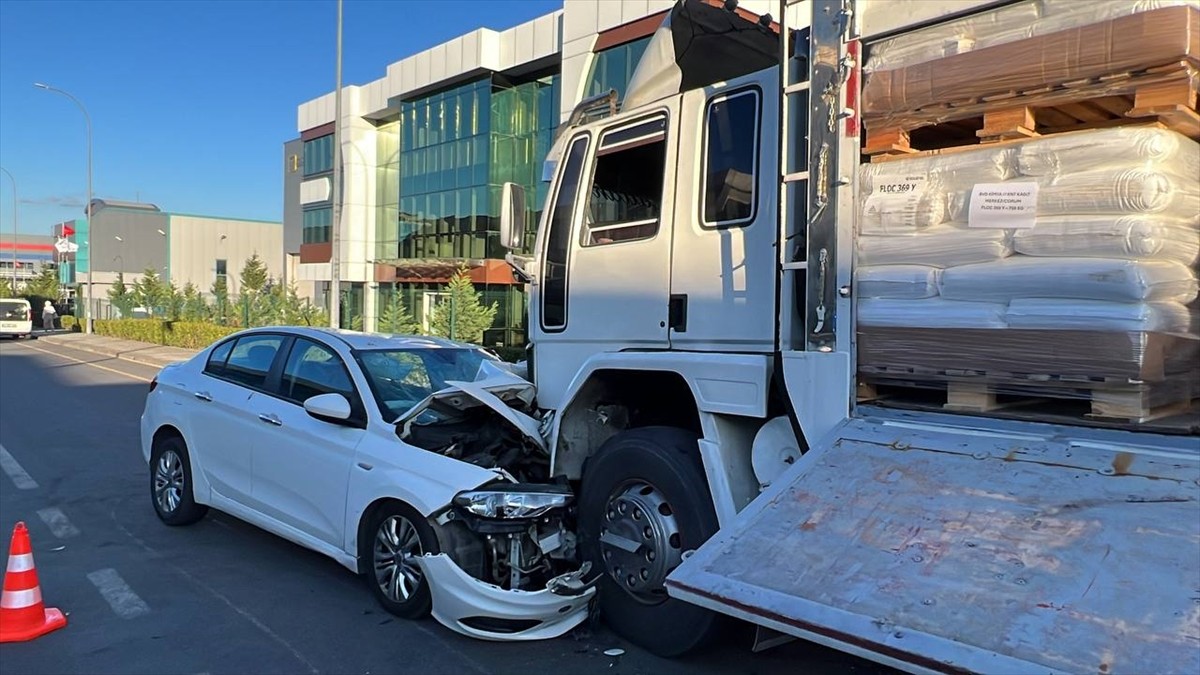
x: 894, y: 206
x: 1003, y: 205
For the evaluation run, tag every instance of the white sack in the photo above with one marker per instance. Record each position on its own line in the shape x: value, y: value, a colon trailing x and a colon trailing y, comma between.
x: 1150, y: 148
x: 1120, y: 191
x: 1079, y: 278
x: 910, y: 282
x: 941, y: 246
x: 902, y: 214
x: 1137, y: 236
x: 929, y: 313
x: 1056, y: 314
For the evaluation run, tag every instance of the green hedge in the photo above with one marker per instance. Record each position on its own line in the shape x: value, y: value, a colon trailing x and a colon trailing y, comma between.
x: 188, y: 334
x: 68, y: 322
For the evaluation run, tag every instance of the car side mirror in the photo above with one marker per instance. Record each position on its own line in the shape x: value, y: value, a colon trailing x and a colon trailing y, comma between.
x: 328, y: 407
x: 512, y: 216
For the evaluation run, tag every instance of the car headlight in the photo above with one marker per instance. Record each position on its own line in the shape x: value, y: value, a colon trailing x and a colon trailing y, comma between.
x: 509, y: 503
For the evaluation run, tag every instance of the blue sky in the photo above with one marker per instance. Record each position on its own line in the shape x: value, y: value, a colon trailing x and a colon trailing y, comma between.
x: 190, y: 101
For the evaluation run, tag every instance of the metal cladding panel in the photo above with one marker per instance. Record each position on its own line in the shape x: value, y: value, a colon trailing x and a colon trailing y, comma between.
x: 1005, y: 549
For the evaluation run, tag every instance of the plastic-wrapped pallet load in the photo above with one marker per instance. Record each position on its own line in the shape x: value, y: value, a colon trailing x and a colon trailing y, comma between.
x: 1096, y: 237
x: 1000, y: 26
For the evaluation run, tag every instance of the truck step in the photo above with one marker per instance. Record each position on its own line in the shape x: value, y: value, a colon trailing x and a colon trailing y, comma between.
x: 1165, y: 95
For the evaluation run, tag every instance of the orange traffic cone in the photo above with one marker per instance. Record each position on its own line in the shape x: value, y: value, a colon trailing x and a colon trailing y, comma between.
x: 23, y: 616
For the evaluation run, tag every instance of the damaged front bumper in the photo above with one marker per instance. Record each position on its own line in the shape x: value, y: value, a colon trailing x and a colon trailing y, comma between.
x: 482, y: 610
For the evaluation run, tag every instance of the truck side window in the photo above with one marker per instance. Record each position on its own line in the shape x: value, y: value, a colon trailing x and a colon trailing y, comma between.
x: 626, y: 196
x: 731, y: 158
x: 558, y: 239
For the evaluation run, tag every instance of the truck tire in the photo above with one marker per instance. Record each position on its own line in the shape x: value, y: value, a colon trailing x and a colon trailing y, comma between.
x: 644, y: 502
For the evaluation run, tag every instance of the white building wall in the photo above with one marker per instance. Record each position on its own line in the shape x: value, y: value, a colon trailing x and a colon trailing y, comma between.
x: 197, y: 242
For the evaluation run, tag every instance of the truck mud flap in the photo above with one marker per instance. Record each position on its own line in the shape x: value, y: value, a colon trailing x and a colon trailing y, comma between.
x: 921, y: 543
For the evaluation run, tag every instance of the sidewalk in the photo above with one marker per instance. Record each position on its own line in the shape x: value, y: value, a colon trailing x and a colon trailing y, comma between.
x: 128, y: 350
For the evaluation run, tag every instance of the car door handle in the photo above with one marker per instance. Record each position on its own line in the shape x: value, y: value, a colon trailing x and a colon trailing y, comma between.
x: 203, y: 396
x: 271, y: 419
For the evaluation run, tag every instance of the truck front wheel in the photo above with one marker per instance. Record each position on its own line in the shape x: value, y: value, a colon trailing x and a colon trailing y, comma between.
x: 644, y: 502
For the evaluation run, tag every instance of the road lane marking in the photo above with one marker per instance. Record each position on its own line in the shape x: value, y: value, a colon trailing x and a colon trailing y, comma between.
x: 119, y: 595
x: 18, y: 475
x: 89, y: 363
x: 266, y: 630
x: 58, y: 523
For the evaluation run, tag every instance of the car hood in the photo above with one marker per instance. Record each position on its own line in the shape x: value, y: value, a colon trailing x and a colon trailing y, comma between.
x: 493, y: 386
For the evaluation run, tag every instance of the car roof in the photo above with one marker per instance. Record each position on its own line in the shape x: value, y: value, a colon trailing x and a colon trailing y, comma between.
x: 23, y: 301
x: 368, y: 341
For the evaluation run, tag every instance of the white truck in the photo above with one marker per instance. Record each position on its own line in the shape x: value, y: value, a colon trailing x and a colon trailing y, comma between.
x: 692, y: 320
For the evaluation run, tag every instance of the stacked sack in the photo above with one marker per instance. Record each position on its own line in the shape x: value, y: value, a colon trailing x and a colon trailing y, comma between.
x: 1113, y: 247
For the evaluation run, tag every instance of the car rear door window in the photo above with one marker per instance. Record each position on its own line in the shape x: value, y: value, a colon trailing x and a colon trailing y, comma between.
x: 250, y: 360
x: 313, y: 369
x: 217, y: 358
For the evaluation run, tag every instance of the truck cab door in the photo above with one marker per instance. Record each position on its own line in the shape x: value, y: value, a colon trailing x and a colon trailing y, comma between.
x: 605, y: 250
x: 724, y: 242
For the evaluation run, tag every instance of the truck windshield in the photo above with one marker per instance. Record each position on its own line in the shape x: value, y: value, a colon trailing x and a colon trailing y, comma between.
x: 402, y: 378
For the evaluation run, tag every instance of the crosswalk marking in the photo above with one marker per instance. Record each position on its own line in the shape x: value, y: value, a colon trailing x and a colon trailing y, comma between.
x: 119, y: 595
x: 19, y: 476
x: 58, y: 523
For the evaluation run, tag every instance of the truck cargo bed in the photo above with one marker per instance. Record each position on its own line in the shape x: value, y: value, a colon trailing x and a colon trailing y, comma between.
x: 939, y: 543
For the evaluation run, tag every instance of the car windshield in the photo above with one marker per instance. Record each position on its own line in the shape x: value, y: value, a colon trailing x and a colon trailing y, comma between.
x: 402, y: 378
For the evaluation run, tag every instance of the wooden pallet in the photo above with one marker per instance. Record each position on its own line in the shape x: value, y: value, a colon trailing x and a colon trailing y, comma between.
x: 1166, y: 95
x: 977, y: 392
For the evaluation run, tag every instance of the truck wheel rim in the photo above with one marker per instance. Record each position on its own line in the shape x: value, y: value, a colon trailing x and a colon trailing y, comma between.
x: 640, y: 541
x: 397, y: 547
x: 168, y: 481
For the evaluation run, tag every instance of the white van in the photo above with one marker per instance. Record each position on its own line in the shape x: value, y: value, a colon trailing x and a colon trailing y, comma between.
x: 16, y: 317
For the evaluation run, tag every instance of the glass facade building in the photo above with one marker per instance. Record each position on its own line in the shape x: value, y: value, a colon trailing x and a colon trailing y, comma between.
x: 440, y: 170
x: 613, y: 67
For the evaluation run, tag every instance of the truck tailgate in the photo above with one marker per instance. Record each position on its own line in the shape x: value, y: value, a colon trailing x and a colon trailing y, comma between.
x: 1003, y: 548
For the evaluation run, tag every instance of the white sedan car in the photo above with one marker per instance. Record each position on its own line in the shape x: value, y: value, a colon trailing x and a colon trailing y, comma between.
x: 410, y: 461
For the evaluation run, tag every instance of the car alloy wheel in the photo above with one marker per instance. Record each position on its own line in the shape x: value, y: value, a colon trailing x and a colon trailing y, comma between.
x: 397, y: 548
x: 168, y: 481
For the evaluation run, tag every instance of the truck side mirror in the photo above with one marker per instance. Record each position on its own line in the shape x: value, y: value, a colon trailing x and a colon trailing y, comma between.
x: 512, y: 216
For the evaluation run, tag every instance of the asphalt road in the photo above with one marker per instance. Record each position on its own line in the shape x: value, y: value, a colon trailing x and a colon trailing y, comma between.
x: 222, y: 596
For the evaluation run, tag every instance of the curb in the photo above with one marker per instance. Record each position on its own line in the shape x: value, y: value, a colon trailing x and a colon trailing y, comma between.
x: 82, y: 346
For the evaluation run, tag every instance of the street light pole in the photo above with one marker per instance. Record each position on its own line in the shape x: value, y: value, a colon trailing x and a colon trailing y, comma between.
x: 14, y: 241
x: 335, y: 238
x: 88, y: 210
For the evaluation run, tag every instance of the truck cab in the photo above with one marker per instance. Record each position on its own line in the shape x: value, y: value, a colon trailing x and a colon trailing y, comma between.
x: 693, y: 320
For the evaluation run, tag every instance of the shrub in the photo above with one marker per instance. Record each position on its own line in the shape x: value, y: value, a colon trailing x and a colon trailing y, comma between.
x: 68, y: 322
x: 187, y: 334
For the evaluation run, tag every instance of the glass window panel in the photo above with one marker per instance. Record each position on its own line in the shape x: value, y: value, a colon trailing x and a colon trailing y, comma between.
x: 730, y: 159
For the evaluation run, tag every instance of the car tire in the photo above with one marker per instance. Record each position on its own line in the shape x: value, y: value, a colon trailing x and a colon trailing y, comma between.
x: 647, y: 486
x: 396, y: 535
x: 171, y: 483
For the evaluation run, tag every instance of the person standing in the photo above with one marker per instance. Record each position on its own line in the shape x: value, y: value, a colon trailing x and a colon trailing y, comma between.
x: 48, y: 314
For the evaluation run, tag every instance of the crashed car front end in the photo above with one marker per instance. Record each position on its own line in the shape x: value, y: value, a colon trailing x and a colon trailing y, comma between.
x: 509, y: 566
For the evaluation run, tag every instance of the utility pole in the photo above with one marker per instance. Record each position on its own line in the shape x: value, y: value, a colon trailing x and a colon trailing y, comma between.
x: 335, y: 235
x: 14, y: 241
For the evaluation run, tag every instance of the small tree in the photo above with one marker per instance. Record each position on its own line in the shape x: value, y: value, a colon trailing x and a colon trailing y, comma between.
x: 120, y: 297
x: 299, y: 311
x: 394, y: 317
x: 150, y: 291
x: 45, y: 284
x: 174, y: 301
x: 462, y: 314
x: 194, y: 307
x: 254, y: 276
x: 6, y: 288
x: 220, y: 291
